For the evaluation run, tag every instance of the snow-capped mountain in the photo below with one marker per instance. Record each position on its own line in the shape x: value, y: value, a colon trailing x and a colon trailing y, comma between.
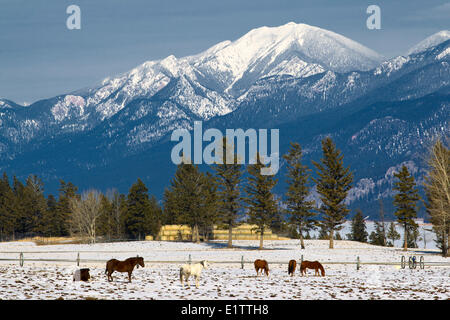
x: 289, y: 49
x: 430, y: 41
x: 306, y: 81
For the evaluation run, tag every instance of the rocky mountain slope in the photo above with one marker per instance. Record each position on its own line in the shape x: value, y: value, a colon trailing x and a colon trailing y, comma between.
x: 306, y: 81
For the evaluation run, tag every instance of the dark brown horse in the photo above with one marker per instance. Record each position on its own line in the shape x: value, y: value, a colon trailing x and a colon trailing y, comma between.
x: 261, y: 264
x: 123, y: 266
x: 312, y: 265
x: 291, y: 267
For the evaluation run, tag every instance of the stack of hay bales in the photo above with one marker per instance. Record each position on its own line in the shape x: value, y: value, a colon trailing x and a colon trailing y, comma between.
x: 243, y: 232
x: 175, y: 232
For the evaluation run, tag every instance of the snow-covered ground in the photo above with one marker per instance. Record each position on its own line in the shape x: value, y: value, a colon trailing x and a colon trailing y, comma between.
x: 53, y: 280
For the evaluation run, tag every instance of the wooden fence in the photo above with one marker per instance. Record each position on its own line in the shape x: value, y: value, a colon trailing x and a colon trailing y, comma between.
x: 412, y: 262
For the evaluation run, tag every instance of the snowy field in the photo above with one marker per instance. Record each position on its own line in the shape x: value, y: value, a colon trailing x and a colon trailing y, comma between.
x: 53, y: 280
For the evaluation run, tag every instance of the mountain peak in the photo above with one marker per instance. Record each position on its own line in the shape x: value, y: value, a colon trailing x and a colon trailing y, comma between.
x: 261, y: 50
x: 430, y: 41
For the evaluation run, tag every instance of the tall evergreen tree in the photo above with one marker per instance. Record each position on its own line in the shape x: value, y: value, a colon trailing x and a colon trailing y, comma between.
x: 377, y: 236
x: 261, y: 204
x: 228, y: 177
x: 358, y: 228
x: 140, y: 217
x: 67, y: 192
x: 297, y: 206
x: 22, y: 223
x: 35, y: 204
x: 153, y: 219
x: 392, y: 233
x: 405, y: 201
x: 382, y: 224
x: 333, y: 183
x: 49, y: 221
x: 105, y: 226
x: 7, y: 209
x: 188, y: 198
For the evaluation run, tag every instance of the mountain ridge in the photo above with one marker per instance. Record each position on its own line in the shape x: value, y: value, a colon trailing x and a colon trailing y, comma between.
x: 85, y: 135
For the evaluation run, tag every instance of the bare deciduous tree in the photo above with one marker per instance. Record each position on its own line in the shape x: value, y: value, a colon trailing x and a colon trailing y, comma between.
x: 85, y: 212
x: 437, y: 187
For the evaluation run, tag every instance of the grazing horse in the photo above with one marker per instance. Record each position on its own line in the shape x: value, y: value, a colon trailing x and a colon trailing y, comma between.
x: 312, y: 265
x: 291, y: 267
x: 123, y: 266
x: 195, y: 270
x: 261, y: 265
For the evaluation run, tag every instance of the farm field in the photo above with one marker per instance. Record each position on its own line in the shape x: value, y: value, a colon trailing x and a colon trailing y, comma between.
x: 53, y: 280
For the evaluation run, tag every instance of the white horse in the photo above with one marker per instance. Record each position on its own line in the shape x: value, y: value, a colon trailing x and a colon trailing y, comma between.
x: 195, y: 270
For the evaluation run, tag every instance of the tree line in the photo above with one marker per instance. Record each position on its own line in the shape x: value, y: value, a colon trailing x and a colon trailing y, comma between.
x: 226, y: 194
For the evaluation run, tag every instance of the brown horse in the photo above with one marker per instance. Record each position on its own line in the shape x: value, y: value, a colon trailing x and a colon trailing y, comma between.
x: 291, y: 267
x: 123, y: 266
x: 312, y: 265
x: 261, y: 264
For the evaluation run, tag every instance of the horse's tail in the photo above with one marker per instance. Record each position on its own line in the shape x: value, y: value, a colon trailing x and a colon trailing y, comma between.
x: 291, y: 267
x: 322, y: 270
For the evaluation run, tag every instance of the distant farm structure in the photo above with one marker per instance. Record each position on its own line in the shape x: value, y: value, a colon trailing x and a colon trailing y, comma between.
x: 176, y: 232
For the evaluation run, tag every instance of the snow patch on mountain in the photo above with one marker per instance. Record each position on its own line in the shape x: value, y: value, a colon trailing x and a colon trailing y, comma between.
x: 70, y: 103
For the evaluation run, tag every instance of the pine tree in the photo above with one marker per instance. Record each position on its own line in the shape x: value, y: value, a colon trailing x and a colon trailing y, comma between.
x: 413, y: 235
x: 120, y: 209
x: 187, y: 198
x: 377, y: 237
x: 382, y: 224
x: 49, y: 221
x: 333, y: 184
x: 105, y: 226
x: 297, y: 206
x: 392, y: 233
x: 153, y: 219
x: 22, y: 223
x: 141, y: 217
x: 228, y: 177
x: 405, y: 201
x: 210, y: 210
x: 7, y: 207
x: 67, y: 192
x: 35, y: 204
x: 261, y: 204
x: 359, y: 229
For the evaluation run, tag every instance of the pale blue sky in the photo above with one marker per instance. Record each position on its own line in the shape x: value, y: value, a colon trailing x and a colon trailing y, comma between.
x: 41, y: 58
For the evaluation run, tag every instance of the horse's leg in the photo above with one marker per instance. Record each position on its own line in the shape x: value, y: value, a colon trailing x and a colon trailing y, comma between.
x: 129, y: 276
x: 196, y: 281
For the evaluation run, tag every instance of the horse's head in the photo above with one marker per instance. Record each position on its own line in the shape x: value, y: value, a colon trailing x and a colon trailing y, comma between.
x: 140, y: 262
x: 204, y: 263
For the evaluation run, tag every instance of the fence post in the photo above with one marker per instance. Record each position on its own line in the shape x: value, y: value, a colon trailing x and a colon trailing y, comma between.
x: 189, y: 261
x: 301, y: 259
x: 21, y: 259
x: 422, y: 263
x: 403, y: 262
x: 242, y: 262
x: 357, y: 263
x: 78, y: 259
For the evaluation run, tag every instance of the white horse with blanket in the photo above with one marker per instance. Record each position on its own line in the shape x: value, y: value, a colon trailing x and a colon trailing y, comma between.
x: 195, y: 270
